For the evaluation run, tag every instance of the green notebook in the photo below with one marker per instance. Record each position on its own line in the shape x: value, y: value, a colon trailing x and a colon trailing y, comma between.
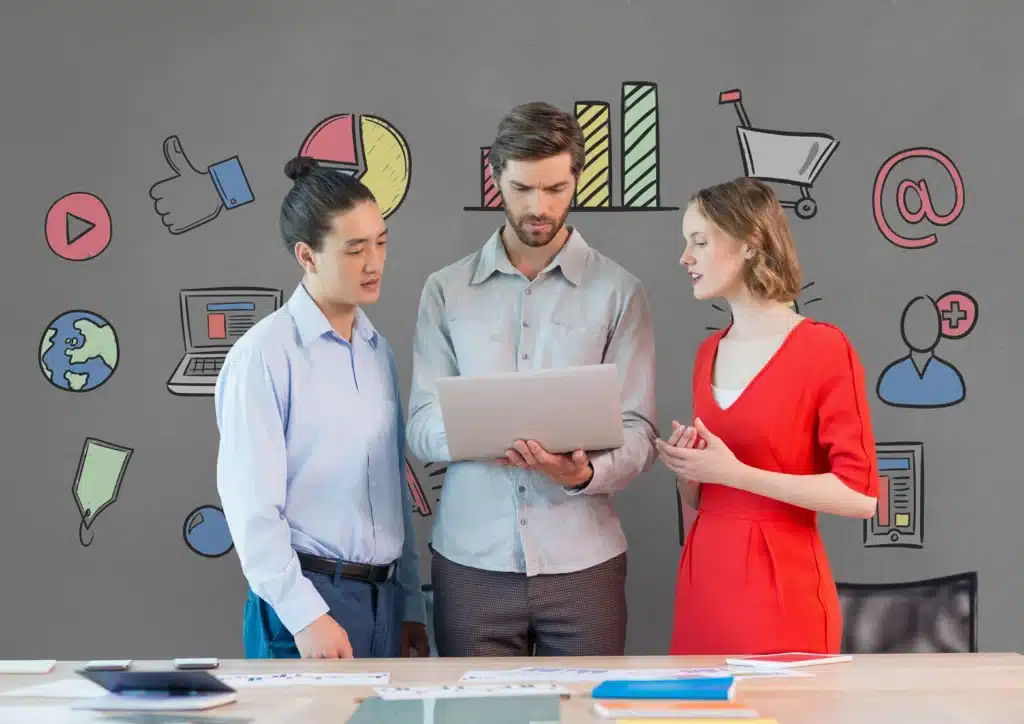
x: 461, y: 710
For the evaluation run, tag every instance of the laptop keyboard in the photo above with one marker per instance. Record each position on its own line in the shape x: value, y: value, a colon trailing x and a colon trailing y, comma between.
x: 204, y: 366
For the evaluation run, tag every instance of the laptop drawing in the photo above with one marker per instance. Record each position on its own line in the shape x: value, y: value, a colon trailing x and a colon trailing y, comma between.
x: 212, y: 320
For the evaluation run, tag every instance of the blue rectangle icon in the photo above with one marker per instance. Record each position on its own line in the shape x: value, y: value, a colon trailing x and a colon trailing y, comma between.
x: 231, y: 307
x: 893, y: 464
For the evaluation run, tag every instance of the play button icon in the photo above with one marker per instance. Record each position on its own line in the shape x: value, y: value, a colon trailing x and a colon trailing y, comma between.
x: 78, y: 226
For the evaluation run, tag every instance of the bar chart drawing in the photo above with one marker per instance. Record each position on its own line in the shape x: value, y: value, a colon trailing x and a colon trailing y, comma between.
x: 639, y: 156
x: 897, y: 521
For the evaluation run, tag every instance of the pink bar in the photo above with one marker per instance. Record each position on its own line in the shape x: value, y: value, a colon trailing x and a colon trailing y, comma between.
x: 490, y: 196
x: 883, y: 500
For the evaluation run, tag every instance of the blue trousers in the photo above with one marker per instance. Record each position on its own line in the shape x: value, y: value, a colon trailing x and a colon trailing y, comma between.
x: 370, y: 613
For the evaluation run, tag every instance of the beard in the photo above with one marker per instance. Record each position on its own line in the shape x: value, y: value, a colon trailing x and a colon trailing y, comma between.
x: 532, y: 238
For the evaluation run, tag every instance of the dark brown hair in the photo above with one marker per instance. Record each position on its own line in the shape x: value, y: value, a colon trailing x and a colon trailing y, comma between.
x: 316, y: 195
x: 748, y: 210
x: 533, y: 131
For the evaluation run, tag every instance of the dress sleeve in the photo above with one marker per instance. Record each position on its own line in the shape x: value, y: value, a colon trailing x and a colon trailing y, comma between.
x: 844, y: 419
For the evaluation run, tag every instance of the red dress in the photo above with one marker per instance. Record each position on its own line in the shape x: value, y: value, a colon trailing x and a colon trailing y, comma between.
x: 753, y: 575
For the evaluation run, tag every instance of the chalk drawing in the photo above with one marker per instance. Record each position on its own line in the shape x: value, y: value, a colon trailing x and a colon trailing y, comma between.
x: 922, y: 379
x: 190, y: 198
x: 368, y: 147
x: 639, y: 156
x: 925, y: 206
x: 98, y: 479
x: 897, y: 522
x: 788, y: 157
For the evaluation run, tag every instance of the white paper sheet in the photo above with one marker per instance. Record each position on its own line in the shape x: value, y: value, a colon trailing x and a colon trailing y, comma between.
x: 240, y: 681
x: 451, y: 691
x: 34, y: 666
x: 48, y: 714
x: 60, y: 689
x: 746, y: 673
x: 536, y: 673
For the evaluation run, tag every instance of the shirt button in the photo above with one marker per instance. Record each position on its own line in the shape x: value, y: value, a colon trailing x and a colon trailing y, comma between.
x: 526, y: 356
x: 522, y: 488
x: 529, y: 291
x: 522, y: 521
x: 525, y: 323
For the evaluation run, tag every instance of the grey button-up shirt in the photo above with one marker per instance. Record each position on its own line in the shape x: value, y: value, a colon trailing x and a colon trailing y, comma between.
x: 480, y: 315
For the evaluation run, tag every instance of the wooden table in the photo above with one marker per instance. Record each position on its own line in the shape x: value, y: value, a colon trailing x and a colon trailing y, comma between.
x: 876, y: 689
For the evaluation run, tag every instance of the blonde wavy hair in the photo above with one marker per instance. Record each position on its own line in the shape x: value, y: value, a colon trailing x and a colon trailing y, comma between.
x: 749, y: 211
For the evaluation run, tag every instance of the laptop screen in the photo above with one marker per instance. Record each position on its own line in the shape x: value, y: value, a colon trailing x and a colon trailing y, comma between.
x: 214, y: 319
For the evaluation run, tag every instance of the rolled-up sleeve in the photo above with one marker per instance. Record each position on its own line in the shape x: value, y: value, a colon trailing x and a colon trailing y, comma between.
x: 252, y: 483
x: 845, y: 430
x: 433, y: 356
x: 631, y: 349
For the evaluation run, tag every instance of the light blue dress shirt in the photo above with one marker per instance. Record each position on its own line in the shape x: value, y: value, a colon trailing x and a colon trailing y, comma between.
x: 480, y: 315
x: 312, y: 456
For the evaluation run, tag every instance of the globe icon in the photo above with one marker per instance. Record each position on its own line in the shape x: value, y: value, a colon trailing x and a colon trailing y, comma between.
x: 79, y: 351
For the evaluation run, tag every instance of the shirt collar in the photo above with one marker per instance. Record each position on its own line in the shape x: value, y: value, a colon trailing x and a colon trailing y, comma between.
x: 570, y: 260
x: 313, y: 324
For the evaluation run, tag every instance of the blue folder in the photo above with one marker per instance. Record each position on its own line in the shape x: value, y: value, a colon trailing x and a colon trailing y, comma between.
x: 701, y: 688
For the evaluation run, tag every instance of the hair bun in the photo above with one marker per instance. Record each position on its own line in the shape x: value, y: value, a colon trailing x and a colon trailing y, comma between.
x: 299, y: 166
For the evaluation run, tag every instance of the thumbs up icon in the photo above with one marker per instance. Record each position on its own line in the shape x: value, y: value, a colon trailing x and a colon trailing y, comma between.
x: 191, y: 198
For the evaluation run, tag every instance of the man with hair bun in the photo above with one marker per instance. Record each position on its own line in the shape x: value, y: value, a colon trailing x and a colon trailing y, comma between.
x: 311, y: 466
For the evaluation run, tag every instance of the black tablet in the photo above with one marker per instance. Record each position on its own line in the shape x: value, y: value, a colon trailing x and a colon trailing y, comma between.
x: 171, y: 682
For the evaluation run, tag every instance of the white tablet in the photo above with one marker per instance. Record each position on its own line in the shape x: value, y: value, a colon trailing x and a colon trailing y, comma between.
x: 565, y: 409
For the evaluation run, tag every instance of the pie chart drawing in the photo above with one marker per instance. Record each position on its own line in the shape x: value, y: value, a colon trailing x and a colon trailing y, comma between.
x: 367, y: 147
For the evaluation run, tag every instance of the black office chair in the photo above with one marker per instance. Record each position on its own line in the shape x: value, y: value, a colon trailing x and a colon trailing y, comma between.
x: 936, y: 615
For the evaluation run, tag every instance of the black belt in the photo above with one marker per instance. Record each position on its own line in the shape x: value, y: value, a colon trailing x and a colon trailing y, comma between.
x: 357, y: 571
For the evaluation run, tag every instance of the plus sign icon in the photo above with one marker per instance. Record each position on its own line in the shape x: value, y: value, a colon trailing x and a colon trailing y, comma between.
x: 959, y: 312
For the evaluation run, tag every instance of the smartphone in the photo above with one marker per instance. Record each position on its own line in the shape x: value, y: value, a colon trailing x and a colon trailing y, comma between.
x: 109, y: 665
x: 193, y: 664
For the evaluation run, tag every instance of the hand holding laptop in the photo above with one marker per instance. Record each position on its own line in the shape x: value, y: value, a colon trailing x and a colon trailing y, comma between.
x: 566, y: 469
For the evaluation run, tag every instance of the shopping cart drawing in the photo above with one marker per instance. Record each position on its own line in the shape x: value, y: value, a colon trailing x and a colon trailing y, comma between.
x: 782, y: 156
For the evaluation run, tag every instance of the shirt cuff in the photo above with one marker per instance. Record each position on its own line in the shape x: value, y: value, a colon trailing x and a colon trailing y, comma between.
x: 304, y: 606
x: 580, y: 489
x: 229, y: 179
x: 414, y: 610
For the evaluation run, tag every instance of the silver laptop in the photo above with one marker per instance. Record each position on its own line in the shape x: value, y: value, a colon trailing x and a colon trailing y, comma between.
x: 565, y: 409
x: 212, y: 320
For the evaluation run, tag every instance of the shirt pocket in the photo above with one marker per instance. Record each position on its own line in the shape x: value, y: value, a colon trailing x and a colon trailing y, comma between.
x: 575, y: 340
x: 482, y: 345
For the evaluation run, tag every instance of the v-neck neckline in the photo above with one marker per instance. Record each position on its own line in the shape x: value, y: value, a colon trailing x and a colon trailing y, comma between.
x: 710, y: 375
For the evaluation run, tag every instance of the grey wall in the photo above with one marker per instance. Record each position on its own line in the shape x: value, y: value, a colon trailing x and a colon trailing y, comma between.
x: 91, y: 90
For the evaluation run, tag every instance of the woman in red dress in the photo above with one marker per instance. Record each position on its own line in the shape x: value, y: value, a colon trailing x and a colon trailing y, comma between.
x: 780, y: 433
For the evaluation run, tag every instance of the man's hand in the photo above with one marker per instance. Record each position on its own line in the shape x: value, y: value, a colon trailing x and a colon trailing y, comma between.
x: 414, y: 639
x: 324, y: 639
x: 568, y: 470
